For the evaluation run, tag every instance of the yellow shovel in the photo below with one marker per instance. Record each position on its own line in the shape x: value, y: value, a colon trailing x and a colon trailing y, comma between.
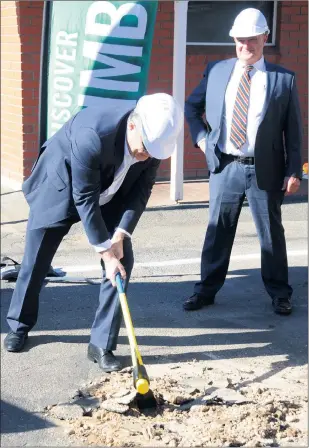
x: 145, y: 397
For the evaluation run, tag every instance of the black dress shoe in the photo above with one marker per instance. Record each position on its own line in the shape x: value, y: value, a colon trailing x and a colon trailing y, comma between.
x: 14, y: 342
x: 197, y: 301
x: 105, y: 358
x: 282, y: 306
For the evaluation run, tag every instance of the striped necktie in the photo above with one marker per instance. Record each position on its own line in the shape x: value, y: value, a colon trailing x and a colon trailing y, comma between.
x: 239, y: 121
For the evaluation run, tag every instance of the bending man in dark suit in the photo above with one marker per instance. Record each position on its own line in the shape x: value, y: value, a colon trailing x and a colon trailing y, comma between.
x: 252, y: 142
x: 98, y: 168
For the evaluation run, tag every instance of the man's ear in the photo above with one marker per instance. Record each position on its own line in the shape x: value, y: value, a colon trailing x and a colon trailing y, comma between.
x: 131, y: 125
x: 266, y: 38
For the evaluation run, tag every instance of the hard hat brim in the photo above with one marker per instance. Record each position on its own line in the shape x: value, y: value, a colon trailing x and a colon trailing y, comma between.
x: 159, y: 151
x: 248, y: 33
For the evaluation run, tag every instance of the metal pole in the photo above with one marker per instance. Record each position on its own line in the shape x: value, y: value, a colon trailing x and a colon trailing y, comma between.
x: 42, y: 131
x: 179, y: 83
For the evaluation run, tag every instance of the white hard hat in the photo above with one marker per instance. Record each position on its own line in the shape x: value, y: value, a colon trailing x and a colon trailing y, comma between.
x: 249, y: 22
x: 162, y: 120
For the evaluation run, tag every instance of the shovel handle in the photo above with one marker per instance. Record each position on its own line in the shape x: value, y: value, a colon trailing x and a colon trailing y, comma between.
x: 140, y: 377
x: 128, y: 320
x: 119, y: 283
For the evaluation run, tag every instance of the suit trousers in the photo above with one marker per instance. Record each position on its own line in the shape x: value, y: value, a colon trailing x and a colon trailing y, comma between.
x: 41, y: 246
x: 228, y: 189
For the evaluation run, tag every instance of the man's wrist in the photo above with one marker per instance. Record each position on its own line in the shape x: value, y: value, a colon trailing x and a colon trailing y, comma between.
x: 107, y: 255
x: 294, y: 175
x: 124, y: 232
x: 118, y: 236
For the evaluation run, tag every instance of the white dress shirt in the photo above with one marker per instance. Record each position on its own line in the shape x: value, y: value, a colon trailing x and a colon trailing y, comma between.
x: 256, y: 103
x: 108, y: 194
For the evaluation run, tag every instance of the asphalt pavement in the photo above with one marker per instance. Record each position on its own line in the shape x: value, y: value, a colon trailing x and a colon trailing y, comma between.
x: 239, y: 330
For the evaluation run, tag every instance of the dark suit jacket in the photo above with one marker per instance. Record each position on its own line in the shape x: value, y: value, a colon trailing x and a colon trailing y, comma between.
x: 279, y: 137
x: 76, y: 165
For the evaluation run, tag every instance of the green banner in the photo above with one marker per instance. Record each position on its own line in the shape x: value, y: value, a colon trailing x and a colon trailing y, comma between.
x: 98, y: 55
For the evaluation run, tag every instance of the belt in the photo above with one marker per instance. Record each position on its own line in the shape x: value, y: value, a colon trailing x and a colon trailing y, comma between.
x: 240, y: 159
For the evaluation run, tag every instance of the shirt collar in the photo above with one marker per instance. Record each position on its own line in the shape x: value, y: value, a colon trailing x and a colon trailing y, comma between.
x: 259, y: 65
x: 126, y: 149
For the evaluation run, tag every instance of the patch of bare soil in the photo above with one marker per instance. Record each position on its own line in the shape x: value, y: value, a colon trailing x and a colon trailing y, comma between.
x: 209, y: 409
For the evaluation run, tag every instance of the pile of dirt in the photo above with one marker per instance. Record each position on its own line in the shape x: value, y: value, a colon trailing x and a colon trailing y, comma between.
x: 203, y: 412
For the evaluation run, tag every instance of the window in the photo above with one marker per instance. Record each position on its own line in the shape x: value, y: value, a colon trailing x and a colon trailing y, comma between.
x: 209, y: 23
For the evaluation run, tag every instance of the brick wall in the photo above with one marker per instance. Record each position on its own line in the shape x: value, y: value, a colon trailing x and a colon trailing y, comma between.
x: 11, y: 101
x: 20, y: 55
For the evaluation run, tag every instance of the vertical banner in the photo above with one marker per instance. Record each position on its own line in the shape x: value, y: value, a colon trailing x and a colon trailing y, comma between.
x: 95, y: 53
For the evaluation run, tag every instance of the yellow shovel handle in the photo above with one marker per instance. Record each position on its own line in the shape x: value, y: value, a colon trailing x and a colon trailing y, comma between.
x: 128, y: 322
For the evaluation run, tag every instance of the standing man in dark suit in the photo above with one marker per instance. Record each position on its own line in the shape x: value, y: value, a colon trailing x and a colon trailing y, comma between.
x: 99, y: 168
x: 252, y: 142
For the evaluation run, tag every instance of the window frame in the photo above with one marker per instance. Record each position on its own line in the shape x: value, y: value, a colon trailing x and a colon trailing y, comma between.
x: 231, y: 44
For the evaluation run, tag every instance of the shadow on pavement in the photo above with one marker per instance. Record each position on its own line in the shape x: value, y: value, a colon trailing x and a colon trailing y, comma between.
x: 13, y: 222
x: 15, y: 419
x: 10, y: 192
x: 242, y: 325
x: 241, y: 304
x: 297, y: 199
x: 194, y: 205
x: 181, y: 205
